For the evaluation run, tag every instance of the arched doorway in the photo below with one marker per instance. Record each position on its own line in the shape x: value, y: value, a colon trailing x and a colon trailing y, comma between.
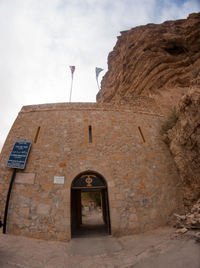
x: 89, y: 194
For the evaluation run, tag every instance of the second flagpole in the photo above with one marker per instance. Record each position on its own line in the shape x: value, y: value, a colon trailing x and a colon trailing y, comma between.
x: 72, y: 68
x: 71, y: 89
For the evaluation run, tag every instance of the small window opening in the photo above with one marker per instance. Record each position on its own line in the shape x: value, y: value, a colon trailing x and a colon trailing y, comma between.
x: 90, y: 134
x: 141, y: 134
x: 36, y: 135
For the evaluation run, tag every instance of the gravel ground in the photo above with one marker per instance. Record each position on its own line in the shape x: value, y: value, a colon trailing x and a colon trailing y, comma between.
x: 160, y: 248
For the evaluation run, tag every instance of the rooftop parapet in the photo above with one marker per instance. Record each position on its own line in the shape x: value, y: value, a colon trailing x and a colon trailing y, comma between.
x: 139, y: 105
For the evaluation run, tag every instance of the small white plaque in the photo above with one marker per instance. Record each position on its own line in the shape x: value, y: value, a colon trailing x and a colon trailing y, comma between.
x: 59, y: 180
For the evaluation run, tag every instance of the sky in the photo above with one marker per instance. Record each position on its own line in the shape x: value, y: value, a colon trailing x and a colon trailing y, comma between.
x: 40, y: 39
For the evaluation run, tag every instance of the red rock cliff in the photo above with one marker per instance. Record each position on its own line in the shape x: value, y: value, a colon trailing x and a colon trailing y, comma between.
x: 158, y: 61
x: 163, y: 62
x: 184, y: 143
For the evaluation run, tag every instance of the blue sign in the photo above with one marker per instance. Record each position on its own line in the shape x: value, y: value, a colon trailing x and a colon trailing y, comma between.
x: 19, y: 154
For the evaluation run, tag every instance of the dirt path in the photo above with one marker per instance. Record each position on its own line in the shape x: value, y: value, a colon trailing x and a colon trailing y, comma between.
x: 155, y: 249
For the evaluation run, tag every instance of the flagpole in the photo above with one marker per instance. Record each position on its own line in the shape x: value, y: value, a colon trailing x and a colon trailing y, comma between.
x: 71, y: 89
x: 72, y: 68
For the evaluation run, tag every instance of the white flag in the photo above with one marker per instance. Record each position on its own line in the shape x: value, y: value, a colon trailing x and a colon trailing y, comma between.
x: 98, y: 70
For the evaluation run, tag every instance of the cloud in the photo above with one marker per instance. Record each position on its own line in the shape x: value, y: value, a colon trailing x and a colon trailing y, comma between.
x: 40, y: 39
x: 173, y: 10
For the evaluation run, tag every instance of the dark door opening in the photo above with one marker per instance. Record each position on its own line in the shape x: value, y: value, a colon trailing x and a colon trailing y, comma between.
x: 89, y: 207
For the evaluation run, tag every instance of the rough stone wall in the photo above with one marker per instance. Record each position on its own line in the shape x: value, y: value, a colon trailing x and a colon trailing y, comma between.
x: 184, y: 143
x: 161, y: 61
x: 143, y: 184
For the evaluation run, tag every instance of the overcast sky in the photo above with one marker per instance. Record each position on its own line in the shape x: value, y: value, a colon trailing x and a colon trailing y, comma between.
x: 41, y: 38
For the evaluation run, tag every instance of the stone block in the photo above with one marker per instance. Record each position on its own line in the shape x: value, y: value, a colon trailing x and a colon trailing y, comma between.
x: 25, y: 178
x: 43, y: 209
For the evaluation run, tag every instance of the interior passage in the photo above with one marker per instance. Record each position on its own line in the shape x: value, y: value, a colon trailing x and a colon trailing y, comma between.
x: 89, y: 210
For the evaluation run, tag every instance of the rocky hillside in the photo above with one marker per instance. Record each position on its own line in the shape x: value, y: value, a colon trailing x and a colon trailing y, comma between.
x: 184, y: 143
x: 163, y: 62
x: 158, y: 61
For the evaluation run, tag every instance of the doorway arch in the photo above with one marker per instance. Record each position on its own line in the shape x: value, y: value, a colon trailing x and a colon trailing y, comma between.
x: 89, y: 183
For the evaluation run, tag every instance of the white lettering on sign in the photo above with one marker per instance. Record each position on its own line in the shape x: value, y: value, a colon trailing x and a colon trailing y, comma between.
x: 59, y: 180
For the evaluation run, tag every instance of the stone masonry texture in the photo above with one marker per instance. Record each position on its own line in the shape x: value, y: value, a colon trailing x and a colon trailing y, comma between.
x: 126, y: 149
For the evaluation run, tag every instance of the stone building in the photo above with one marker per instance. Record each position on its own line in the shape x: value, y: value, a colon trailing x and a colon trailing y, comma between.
x: 76, y: 147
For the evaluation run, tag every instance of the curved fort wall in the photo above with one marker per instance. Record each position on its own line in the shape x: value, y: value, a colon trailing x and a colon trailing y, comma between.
x: 126, y: 150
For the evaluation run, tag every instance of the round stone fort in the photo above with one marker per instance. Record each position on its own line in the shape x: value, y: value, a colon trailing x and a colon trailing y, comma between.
x: 115, y: 150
